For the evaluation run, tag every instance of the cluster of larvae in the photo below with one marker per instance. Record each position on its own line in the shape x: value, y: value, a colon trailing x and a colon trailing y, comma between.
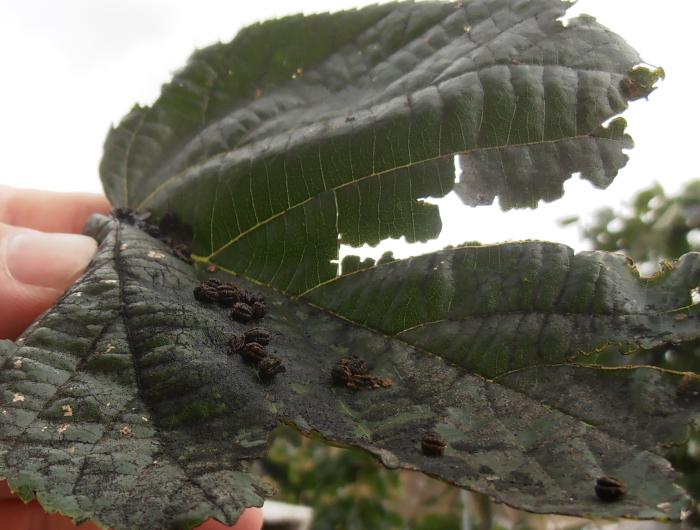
x: 251, y: 346
x: 245, y: 306
x: 170, y: 231
x: 353, y: 372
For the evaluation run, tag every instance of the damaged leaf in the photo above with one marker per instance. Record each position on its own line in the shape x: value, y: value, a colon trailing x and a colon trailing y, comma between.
x: 474, y: 364
x: 160, y: 405
x: 360, y: 117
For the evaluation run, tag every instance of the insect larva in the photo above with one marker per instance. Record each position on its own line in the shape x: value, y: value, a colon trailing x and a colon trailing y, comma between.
x: 259, y: 335
x: 609, y: 489
x: 433, y: 444
x: 270, y: 366
x: 241, y: 312
x: 254, y: 352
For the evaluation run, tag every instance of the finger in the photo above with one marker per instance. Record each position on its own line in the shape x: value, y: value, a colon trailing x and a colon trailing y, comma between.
x: 49, y: 211
x: 17, y: 515
x: 251, y: 519
x: 35, y: 269
x: 5, y: 492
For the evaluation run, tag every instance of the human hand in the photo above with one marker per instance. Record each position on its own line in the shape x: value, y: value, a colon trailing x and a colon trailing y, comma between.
x: 41, y: 254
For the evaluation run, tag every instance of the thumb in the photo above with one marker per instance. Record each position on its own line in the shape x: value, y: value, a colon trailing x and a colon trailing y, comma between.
x: 35, y: 269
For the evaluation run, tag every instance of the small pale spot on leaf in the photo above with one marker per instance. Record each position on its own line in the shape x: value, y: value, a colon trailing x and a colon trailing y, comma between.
x: 63, y: 428
x: 123, y: 246
x: 18, y: 363
x: 18, y: 398
x: 110, y: 347
x: 67, y: 410
x: 126, y: 431
x: 155, y: 254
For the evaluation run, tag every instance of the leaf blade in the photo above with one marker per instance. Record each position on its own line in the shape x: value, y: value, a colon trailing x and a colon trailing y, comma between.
x: 496, y: 83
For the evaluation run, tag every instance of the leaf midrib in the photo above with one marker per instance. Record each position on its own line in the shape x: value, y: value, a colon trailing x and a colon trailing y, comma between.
x: 334, y: 189
x: 118, y: 267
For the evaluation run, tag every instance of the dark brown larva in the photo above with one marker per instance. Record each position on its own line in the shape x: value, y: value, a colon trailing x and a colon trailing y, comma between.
x: 433, y: 444
x: 236, y: 343
x: 250, y: 297
x: 152, y: 230
x: 259, y: 310
x: 205, y: 293
x: 182, y: 252
x: 241, y: 312
x: 270, y: 366
x: 609, y: 489
x: 229, y: 294
x: 357, y: 365
x: 259, y: 335
x: 254, y: 352
x: 353, y: 372
x: 131, y: 217
x: 341, y: 374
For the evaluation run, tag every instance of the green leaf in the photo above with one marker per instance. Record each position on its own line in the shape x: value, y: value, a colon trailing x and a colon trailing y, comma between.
x: 500, y: 308
x: 277, y: 153
x: 122, y: 404
x: 97, y: 419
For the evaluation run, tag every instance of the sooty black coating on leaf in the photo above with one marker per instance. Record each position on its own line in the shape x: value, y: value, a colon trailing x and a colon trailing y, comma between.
x: 164, y: 419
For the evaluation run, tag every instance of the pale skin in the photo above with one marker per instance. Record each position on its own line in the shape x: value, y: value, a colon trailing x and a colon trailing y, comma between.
x: 41, y: 255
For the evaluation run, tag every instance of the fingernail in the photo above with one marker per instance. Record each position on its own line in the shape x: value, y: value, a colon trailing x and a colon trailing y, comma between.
x: 48, y: 260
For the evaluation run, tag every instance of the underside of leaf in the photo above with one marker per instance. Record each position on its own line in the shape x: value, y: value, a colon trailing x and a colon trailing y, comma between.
x: 123, y: 404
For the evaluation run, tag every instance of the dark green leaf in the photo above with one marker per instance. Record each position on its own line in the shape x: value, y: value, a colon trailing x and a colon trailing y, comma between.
x: 277, y: 153
x: 122, y: 405
x: 97, y: 419
x: 129, y: 347
x: 498, y: 308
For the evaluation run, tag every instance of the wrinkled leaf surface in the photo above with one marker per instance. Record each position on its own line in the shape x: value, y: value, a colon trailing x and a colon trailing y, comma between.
x: 277, y: 153
x: 122, y: 403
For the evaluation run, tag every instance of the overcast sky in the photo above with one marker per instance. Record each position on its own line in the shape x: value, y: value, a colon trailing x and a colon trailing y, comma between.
x: 70, y: 68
